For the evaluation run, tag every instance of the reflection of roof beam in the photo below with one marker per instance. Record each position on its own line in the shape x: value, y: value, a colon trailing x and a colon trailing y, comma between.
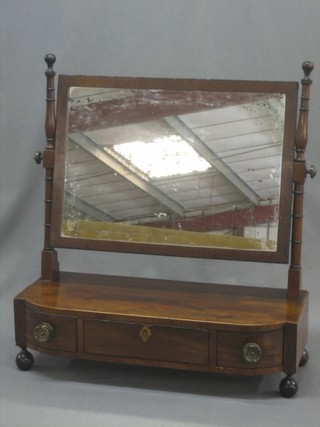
x: 147, y: 105
x: 233, y: 219
x: 210, y: 156
x: 126, y: 172
x: 85, y: 207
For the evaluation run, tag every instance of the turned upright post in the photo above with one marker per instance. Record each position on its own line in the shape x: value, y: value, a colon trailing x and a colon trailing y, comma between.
x: 49, y: 261
x: 299, y: 175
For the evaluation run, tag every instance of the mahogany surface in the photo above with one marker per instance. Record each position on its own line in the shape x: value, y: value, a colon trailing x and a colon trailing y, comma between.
x: 252, y: 307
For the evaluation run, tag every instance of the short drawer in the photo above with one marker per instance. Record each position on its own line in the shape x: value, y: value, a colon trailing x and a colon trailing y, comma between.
x: 249, y: 350
x: 142, y: 341
x: 51, y: 331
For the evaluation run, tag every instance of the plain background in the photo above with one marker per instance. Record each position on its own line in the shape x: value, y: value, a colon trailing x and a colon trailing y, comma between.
x: 229, y: 39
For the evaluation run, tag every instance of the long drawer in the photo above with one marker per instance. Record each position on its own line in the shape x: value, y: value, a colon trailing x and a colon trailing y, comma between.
x: 146, y: 341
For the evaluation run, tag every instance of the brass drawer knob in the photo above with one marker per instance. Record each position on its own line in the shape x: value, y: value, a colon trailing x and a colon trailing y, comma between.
x: 43, y: 332
x: 251, y: 352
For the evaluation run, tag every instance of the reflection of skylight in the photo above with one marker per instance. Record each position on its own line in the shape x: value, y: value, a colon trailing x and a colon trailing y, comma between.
x: 163, y: 157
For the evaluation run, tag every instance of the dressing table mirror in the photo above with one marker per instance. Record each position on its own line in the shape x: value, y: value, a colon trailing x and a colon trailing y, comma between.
x: 210, y: 169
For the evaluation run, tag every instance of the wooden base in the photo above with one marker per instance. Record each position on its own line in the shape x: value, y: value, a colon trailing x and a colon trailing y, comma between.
x: 238, y: 330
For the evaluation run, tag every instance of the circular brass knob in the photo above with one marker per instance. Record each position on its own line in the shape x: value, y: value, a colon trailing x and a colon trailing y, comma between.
x: 251, y: 352
x: 43, y: 332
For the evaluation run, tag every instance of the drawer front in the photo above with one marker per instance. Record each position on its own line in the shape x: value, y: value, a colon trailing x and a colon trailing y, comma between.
x: 152, y: 342
x: 249, y: 350
x: 51, y: 331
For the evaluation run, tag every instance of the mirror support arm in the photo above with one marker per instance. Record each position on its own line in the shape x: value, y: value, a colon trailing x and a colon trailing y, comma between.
x: 49, y: 261
x: 299, y: 175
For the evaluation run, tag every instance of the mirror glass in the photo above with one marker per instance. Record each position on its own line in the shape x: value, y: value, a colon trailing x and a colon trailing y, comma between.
x: 178, y: 167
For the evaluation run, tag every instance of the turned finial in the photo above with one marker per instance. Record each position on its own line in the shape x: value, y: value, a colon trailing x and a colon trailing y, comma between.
x: 50, y: 59
x: 307, y: 67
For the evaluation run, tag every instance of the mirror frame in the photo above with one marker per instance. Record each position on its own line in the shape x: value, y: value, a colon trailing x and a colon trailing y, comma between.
x: 280, y: 255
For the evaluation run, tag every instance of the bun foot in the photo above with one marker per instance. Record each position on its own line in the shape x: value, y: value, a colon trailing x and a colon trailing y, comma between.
x: 304, y: 358
x: 288, y: 386
x: 24, y: 360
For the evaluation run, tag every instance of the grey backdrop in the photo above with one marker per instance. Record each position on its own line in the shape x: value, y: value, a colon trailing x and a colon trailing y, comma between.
x: 232, y: 39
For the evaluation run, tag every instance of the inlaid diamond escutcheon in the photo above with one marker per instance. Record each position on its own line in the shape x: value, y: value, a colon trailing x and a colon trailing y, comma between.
x: 145, y: 333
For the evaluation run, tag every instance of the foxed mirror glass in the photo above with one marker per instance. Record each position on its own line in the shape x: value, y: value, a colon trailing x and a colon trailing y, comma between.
x: 174, y: 167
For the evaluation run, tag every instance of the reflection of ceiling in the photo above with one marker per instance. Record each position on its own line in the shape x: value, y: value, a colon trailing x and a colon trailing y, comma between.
x: 241, y: 143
